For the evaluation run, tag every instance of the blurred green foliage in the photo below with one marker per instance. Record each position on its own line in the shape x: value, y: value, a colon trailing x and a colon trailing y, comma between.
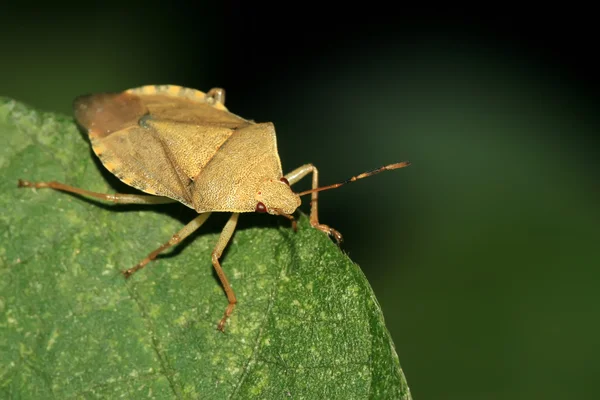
x: 483, y: 254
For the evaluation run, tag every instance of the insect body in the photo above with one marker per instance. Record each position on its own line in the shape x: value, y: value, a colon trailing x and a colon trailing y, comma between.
x: 182, y: 145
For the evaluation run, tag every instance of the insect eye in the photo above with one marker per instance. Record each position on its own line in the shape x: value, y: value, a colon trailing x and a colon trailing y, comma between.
x: 284, y: 180
x: 261, y: 208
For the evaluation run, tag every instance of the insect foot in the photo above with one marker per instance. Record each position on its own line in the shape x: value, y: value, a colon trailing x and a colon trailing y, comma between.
x: 330, y: 231
x: 27, y: 184
x: 228, y: 312
x: 128, y: 272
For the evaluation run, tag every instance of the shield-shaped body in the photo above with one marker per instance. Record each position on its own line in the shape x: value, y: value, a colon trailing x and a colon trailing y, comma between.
x: 184, y: 144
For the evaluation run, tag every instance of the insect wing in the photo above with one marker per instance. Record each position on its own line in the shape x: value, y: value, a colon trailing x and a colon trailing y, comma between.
x: 141, y: 141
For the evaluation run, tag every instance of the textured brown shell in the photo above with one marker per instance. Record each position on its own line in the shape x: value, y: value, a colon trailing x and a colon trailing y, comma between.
x: 180, y: 143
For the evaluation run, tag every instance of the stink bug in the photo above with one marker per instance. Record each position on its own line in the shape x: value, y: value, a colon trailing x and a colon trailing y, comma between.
x: 182, y: 145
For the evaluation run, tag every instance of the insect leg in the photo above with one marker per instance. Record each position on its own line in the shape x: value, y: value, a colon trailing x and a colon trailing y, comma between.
x: 175, y: 239
x: 216, y: 254
x: 216, y: 95
x: 300, y: 173
x: 119, y: 198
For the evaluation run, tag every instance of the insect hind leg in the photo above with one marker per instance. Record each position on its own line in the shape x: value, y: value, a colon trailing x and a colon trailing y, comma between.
x: 117, y: 198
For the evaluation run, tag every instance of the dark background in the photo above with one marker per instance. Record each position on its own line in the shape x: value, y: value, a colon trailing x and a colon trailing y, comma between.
x: 484, y: 253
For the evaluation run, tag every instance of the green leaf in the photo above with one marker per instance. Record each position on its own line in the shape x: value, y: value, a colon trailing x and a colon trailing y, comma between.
x: 307, y: 324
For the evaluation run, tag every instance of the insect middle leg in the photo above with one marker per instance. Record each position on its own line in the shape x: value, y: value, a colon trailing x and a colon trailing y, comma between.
x: 224, y: 239
x: 300, y: 173
x: 175, y: 239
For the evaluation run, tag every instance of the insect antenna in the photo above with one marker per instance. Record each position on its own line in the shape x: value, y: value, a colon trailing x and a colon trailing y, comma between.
x: 357, y: 177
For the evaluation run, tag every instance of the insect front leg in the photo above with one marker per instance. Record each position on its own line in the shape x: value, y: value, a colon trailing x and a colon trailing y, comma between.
x: 300, y: 173
x: 119, y: 198
x: 224, y: 239
x: 175, y: 239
